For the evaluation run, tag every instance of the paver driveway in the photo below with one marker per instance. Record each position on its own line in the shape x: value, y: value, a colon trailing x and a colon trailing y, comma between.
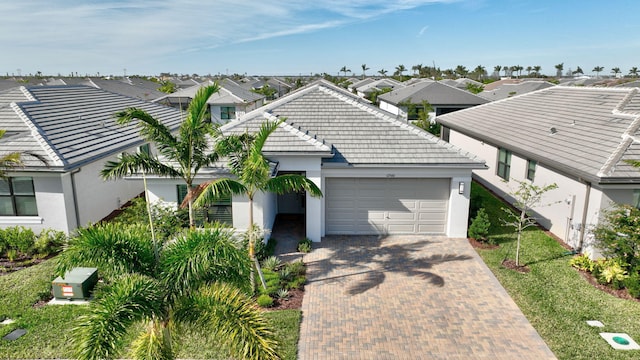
x: 409, y: 297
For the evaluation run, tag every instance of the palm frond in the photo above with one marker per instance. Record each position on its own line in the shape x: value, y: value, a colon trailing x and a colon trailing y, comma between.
x: 261, y: 137
x: 292, y: 182
x: 132, y: 298
x: 128, y: 164
x: 233, y: 318
x: 150, y: 128
x: 634, y: 163
x: 209, y: 192
x: 9, y: 161
x: 112, y: 248
x: 202, y: 256
x: 153, y: 343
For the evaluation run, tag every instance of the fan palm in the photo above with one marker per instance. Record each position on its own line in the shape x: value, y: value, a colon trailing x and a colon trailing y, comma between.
x: 184, y: 155
x: 252, y: 175
x: 195, y: 282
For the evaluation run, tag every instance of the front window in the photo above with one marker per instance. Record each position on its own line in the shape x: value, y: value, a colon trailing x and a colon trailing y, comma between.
x: 219, y: 210
x: 504, y: 163
x: 227, y: 112
x: 531, y: 169
x: 17, y: 197
x: 145, y: 149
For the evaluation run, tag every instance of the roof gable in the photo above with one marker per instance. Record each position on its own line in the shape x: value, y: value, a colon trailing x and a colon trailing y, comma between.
x: 434, y: 92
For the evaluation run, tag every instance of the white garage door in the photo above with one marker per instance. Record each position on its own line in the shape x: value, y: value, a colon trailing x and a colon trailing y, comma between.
x: 386, y: 206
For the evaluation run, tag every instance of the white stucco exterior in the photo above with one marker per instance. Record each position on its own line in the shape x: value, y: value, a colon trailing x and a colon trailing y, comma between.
x: 68, y: 200
x: 563, y: 210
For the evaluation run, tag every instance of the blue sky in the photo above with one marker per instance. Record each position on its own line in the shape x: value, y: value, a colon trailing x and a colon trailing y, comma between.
x: 291, y: 37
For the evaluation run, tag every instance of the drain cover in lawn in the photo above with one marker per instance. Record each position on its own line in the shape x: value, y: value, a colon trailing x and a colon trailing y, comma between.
x: 620, y: 341
x: 15, y: 334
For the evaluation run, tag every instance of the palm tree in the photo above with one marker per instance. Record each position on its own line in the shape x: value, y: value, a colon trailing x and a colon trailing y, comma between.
x: 496, y: 70
x: 461, y: 71
x: 364, y: 70
x: 344, y: 70
x: 529, y: 69
x: 8, y: 161
x: 559, y: 69
x: 615, y: 71
x: 383, y: 72
x: 400, y: 69
x: 253, y: 175
x: 417, y: 69
x: 480, y: 72
x: 197, y: 281
x: 507, y: 70
x: 537, y: 69
x: 597, y: 70
x: 633, y: 71
x: 184, y: 154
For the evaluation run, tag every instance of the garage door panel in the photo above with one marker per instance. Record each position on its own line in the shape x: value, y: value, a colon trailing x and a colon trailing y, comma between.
x: 377, y: 205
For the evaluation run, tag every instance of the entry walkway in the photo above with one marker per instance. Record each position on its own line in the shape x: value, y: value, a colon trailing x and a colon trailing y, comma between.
x: 409, y: 297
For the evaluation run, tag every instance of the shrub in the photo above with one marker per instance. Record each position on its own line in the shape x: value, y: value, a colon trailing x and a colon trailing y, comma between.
x: 265, y: 300
x: 19, y: 239
x: 262, y: 250
x: 166, y: 220
x: 297, y: 283
x: 296, y: 267
x: 304, y: 245
x: 610, y: 271
x: 271, y: 263
x: 272, y: 280
x: 582, y: 262
x: 479, y: 228
x: 619, y: 236
x: 49, y: 242
x: 632, y: 283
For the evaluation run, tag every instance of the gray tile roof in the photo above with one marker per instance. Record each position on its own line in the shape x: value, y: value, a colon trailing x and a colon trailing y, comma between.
x: 324, y: 118
x: 71, y: 125
x: 596, y: 129
x: 386, y: 83
x: 434, y: 92
x: 230, y: 93
x: 510, y: 90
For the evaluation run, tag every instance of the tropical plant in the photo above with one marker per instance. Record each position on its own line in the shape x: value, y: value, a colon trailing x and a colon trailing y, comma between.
x: 559, y: 69
x: 582, y: 262
x: 184, y: 154
x: 400, y: 69
x: 9, y: 160
x: 383, y: 72
x: 537, y: 69
x: 598, y: 70
x: 304, y: 245
x: 615, y: 71
x: 496, y: 71
x: 461, y: 71
x: 364, y: 70
x: 633, y: 71
x: 618, y: 235
x: 195, y: 281
x: 344, y: 70
x: 526, y: 196
x: 577, y: 71
x: 475, y: 88
x: 529, y: 69
x: 167, y: 87
x: 252, y: 176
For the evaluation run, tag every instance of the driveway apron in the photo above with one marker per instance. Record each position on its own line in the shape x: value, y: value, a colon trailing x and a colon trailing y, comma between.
x: 409, y: 297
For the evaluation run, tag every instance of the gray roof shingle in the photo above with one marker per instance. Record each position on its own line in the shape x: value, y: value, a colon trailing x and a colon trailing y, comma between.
x: 434, y: 92
x: 72, y: 125
x: 324, y: 118
x: 596, y: 129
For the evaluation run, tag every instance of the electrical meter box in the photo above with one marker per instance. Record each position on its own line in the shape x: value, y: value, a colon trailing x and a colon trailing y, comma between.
x: 76, y: 283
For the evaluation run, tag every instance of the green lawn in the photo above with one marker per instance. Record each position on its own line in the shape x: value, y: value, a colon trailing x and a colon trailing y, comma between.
x: 554, y: 296
x: 48, y: 327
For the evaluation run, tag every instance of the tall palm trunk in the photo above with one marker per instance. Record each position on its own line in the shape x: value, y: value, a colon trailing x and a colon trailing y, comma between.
x: 252, y: 249
x: 192, y: 222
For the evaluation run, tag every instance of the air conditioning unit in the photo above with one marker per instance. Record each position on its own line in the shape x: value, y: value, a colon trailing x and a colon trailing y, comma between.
x: 76, y: 284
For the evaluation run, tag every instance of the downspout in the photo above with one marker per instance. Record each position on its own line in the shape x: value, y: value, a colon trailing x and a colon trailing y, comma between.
x: 75, y: 197
x: 585, y: 209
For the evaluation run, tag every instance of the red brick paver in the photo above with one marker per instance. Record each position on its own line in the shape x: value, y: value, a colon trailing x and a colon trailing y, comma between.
x: 409, y: 297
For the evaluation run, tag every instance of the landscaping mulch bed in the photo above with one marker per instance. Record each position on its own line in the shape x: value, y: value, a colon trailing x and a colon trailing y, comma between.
x: 511, y: 264
x: 23, y: 262
x: 294, y: 301
x: 621, y: 293
x: 482, y: 245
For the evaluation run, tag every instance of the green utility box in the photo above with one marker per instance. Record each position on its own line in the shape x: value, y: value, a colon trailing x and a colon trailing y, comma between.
x: 76, y: 284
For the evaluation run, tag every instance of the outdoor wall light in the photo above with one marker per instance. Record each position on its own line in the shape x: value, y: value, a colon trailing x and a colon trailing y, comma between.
x: 461, y: 188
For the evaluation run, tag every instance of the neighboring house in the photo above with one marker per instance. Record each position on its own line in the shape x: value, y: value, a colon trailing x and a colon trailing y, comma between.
x: 576, y: 137
x: 442, y: 98
x: 377, y: 85
x: 510, y: 90
x: 74, y: 130
x: 378, y: 175
x: 461, y: 83
x: 356, y: 83
x: 281, y: 87
x: 230, y: 103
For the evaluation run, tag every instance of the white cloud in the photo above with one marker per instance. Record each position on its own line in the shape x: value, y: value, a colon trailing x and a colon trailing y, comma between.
x: 423, y: 30
x: 126, y: 31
